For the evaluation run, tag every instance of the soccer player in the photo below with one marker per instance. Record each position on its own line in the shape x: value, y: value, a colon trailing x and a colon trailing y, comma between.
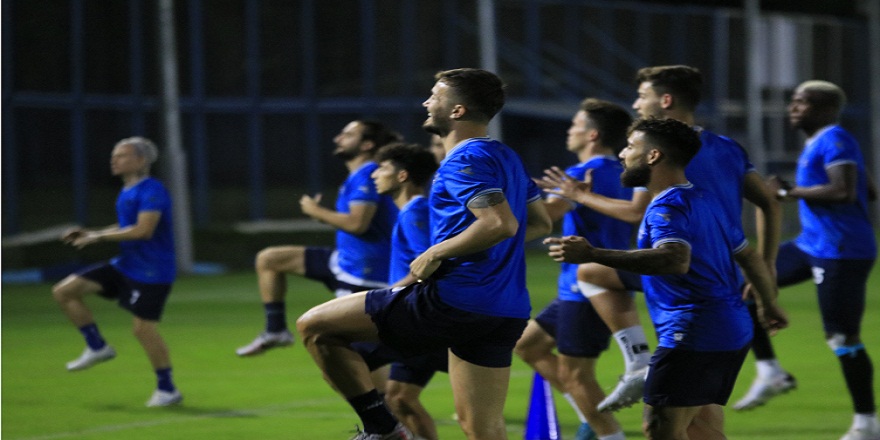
x: 570, y: 324
x: 836, y: 247
x: 363, y: 220
x: 721, y: 167
x: 404, y: 172
x: 139, y: 278
x: 472, y: 298
x: 687, y: 246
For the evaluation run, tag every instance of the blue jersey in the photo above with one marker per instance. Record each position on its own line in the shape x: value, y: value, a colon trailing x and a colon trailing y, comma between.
x: 410, y: 238
x: 601, y: 230
x: 364, y: 258
x: 492, y: 281
x: 148, y: 261
x: 701, y: 310
x: 834, y: 230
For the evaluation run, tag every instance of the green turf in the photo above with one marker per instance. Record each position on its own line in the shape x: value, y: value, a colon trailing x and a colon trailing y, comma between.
x: 281, y: 395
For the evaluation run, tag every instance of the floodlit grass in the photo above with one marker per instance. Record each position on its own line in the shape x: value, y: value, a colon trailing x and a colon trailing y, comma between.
x: 281, y: 394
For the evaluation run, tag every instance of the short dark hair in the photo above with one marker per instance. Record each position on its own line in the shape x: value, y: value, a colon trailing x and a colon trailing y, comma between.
x: 682, y: 82
x: 611, y: 120
x: 417, y: 160
x: 677, y: 140
x: 378, y: 133
x: 481, y: 91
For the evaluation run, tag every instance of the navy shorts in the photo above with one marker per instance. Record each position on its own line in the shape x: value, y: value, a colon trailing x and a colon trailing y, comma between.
x: 319, y: 267
x: 146, y: 301
x: 631, y: 280
x: 420, y: 369
x: 577, y: 328
x: 414, y: 321
x: 416, y: 370
x: 840, y: 284
x: 692, y: 378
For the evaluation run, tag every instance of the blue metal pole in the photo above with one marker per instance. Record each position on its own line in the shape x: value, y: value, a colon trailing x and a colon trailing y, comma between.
x: 200, y: 204
x: 10, y: 158
x: 77, y: 113
x: 257, y: 179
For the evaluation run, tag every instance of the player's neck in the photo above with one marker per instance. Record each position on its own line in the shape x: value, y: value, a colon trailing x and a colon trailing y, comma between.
x: 406, y: 193
x: 133, y: 179
x: 682, y: 116
x: 357, y: 162
x: 462, y: 131
x: 662, y: 179
x: 594, y: 150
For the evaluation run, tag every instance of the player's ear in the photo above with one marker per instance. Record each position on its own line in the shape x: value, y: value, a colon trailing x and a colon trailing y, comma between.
x: 402, y: 176
x: 458, y: 111
x: 655, y: 156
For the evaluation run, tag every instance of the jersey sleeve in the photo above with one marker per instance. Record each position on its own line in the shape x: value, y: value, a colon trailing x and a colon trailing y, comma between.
x: 415, y: 226
x: 363, y: 189
x: 837, y: 150
x: 469, y: 176
x: 667, y: 224
x: 154, y: 198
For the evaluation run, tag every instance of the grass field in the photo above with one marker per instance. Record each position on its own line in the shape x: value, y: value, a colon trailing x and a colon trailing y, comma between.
x: 281, y: 395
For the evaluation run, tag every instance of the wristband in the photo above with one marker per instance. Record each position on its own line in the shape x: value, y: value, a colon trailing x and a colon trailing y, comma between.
x: 782, y: 192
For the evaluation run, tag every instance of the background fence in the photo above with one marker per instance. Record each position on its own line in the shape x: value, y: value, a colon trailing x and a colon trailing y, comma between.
x: 265, y: 84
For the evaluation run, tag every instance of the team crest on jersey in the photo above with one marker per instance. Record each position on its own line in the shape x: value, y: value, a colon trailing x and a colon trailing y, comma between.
x: 467, y: 170
x: 364, y: 188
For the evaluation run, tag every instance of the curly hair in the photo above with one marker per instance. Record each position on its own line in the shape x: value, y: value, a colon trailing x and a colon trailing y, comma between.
x: 677, y: 140
x: 415, y: 159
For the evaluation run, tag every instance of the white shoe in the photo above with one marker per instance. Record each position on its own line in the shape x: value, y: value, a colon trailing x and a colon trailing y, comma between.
x: 91, y: 357
x: 763, y: 390
x: 629, y: 390
x: 862, y: 434
x: 164, y: 398
x: 400, y: 432
x: 265, y: 341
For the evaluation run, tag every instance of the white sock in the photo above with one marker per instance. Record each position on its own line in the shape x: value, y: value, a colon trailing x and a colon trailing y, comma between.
x: 634, y: 346
x: 864, y: 421
x: 574, y: 406
x: 616, y: 436
x: 768, y: 368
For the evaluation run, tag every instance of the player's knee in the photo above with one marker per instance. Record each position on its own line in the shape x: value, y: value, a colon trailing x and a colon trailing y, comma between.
x: 64, y: 290
x: 309, y: 327
x: 264, y: 259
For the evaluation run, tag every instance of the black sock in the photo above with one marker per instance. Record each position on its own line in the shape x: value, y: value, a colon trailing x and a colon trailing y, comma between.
x: 761, y: 345
x: 859, y: 375
x: 373, y: 413
x: 276, y: 316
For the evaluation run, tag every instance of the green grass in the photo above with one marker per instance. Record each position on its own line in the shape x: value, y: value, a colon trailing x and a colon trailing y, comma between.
x: 281, y: 395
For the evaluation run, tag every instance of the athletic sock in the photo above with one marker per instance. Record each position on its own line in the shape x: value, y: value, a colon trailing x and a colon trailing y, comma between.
x: 373, y: 413
x: 761, y: 345
x: 859, y: 375
x: 634, y: 345
x: 276, y: 317
x: 93, y: 336
x: 768, y: 368
x: 163, y: 376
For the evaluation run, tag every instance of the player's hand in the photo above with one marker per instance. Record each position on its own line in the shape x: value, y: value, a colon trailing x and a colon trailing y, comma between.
x: 557, y: 182
x: 569, y: 249
x: 772, y: 318
x: 72, y: 234
x: 424, y: 266
x: 309, y: 205
x: 84, y: 239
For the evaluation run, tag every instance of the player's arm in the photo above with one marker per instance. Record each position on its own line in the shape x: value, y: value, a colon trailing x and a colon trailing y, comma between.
x: 841, y: 186
x: 494, y: 223
x: 539, y: 218
x: 768, y: 218
x: 356, y: 221
x: 142, y: 230
x: 555, y: 181
x: 764, y: 287
x: 668, y: 258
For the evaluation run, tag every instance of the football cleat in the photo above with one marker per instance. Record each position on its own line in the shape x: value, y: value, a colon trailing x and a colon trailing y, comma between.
x: 400, y: 432
x: 164, y: 398
x: 762, y: 390
x: 265, y: 341
x: 91, y: 357
x: 629, y: 391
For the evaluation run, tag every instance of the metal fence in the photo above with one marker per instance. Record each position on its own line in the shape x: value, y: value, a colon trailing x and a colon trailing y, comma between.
x: 265, y: 84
